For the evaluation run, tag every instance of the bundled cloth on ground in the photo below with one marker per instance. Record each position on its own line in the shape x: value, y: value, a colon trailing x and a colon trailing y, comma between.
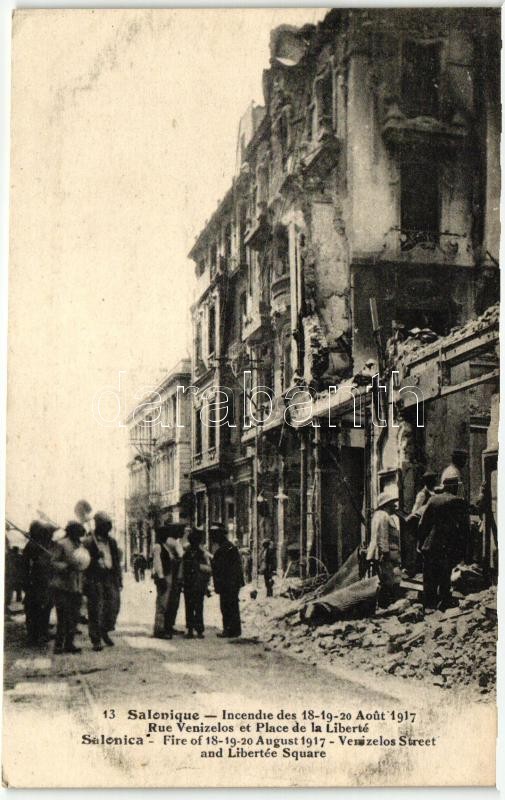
x: 352, y: 599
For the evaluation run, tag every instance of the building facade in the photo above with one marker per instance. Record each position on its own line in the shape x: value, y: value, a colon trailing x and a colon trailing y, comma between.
x: 159, y: 431
x: 362, y: 223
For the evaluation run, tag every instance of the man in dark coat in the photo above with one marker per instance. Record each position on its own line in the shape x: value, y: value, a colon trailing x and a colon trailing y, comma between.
x: 268, y: 565
x: 67, y: 584
x: 196, y: 572
x: 442, y: 539
x: 36, y: 582
x: 103, y: 582
x: 228, y: 580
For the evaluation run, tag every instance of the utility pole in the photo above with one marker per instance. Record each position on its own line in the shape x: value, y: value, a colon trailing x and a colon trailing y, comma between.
x: 255, y: 504
x: 303, y: 505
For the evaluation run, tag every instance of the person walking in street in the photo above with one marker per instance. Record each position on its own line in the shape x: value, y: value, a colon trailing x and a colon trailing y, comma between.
x: 167, y: 565
x: 384, y: 549
x: 228, y: 580
x: 268, y: 565
x: 196, y: 571
x: 162, y: 576
x: 442, y: 539
x: 17, y: 577
x: 103, y: 582
x: 176, y: 552
x: 67, y: 564
x: 36, y: 568
x: 135, y: 565
x: 141, y: 567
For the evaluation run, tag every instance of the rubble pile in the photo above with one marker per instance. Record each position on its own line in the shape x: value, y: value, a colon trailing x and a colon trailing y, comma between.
x: 455, y: 648
x: 418, y: 339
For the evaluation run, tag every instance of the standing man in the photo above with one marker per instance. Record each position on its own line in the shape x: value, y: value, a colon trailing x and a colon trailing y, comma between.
x: 176, y: 552
x: 384, y: 549
x: 443, y: 536
x: 268, y: 565
x: 141, y: 566
x: 66, y: 584
x: 424, y: 494
x: 104, y: 582
x: 135, y: 564
x: 162, y: 576
x: 37, y: 572
x: 454, y: 471
x: 196, y: 570
x: 228, y: 580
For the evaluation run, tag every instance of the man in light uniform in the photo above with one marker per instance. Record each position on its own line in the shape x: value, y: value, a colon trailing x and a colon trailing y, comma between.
x: 384, y: 548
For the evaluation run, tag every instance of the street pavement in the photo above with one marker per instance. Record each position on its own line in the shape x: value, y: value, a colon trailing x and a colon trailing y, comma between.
x: 52, y: 702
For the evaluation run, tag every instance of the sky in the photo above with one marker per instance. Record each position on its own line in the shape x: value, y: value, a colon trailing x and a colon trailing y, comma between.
x: 123, y: 139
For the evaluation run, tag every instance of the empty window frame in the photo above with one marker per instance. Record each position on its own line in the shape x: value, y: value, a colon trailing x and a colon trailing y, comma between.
x: 198, y: 431
x: 324, y: 93
x: 419, y: 201
x: 212, y: 330
x: 420, y: 78
x: 198, y: 342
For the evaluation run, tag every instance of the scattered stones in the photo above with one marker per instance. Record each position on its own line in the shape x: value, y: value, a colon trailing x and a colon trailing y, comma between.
x: 449, y: 649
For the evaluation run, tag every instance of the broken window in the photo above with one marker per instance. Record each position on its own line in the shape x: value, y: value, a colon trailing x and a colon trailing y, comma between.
x: 283, y: 132
x: 198, y: 342
x: 227, y: 240
x: 242, y: 312
x: 420, y: 202
x: 281, y: 251
x: 211, y: 424
x: 420, y: 78
x: 287, y: 372
x: 324, y: 100
x: 201, y: 516
x: 213, y: 259
x: 198, y: 432
x: 212, y: 330
x: 242, y: 230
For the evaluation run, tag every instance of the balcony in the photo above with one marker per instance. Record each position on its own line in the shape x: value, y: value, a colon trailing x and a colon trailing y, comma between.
x: 255, y: 322
x: 258, y: 228
x: 427, y: 247
x: 321, y: 153
x: 214, y: 460
x: 399, y: 130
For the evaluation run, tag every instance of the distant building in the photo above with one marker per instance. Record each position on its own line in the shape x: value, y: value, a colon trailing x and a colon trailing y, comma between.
x: 159, y: 469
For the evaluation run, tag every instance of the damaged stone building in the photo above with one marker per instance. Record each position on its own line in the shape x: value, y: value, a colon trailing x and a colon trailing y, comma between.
x: 360, y: 236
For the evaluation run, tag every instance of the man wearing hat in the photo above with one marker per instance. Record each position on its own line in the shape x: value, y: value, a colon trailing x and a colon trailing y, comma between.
x: 384, y: 548
x: 424, y: 494
x: 228, y: 580
x: 103, y: 581
x: 442, y: 539
x: 176, y: 552
x: 454, y: 470
x: 167, y: 555
x: 66, y: 584
x: 36, y: 571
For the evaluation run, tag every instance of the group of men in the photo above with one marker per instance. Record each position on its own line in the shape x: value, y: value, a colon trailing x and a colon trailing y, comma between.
x: 189, y: 568
x: 60, y: 573
x: 441, y: 520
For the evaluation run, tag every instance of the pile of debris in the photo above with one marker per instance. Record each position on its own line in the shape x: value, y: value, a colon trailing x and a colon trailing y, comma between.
x: 418, y: 338
x: 451, y: 649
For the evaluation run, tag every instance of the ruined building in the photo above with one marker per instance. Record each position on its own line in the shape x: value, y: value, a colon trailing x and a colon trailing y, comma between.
x: 360, y: 235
